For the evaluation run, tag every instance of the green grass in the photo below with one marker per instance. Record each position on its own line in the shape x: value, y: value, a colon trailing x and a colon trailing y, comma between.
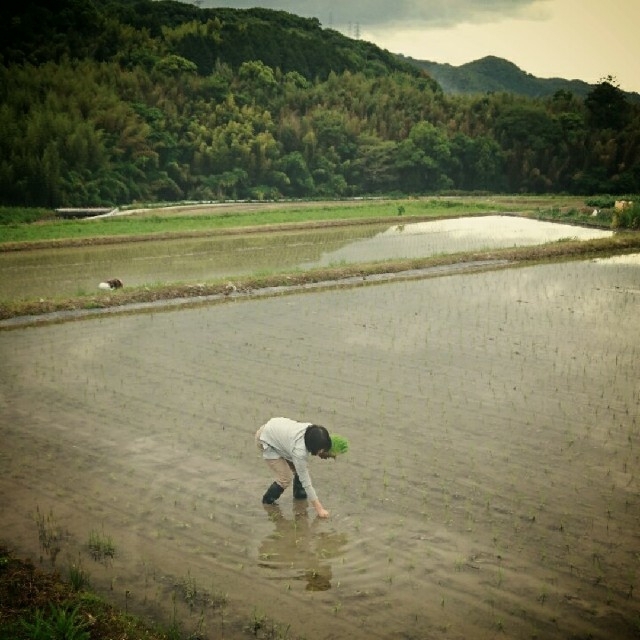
x: 210, y: 221
x: 101, y: 546
x: 574, y: 216
x: 78, y: 578
x: 39, y: 605
x: 50, y: 534
x: 58, y: 622
x: 24, y: 215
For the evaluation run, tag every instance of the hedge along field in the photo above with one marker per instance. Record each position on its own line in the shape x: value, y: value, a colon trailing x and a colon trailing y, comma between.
x: 491, y: 488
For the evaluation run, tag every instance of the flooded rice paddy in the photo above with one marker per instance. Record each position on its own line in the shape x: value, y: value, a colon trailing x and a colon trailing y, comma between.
x: 425, y: 239
x: 75, y: 270
x: 78, y: 270
x: 492, y: 487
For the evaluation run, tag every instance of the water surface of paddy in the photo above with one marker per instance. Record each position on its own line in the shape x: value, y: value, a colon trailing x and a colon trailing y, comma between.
x: 491, y: 489
x: 423, y: 239
x: 71, y: 271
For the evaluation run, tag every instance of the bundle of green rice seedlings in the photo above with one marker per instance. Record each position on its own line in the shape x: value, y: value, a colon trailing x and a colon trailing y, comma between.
x: 338, y: 445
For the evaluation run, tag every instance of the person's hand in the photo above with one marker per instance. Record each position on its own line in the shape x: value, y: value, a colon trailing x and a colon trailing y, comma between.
x: 320, y: 510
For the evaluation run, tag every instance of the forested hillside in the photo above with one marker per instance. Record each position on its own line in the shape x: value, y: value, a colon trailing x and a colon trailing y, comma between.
x: 491, y: 74
x: 111, y: 102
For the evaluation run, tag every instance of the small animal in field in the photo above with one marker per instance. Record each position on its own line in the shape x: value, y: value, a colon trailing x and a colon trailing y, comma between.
x: 111, y: 284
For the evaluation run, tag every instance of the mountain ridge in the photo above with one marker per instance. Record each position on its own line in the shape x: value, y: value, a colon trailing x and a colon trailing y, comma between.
x: 495, y: 74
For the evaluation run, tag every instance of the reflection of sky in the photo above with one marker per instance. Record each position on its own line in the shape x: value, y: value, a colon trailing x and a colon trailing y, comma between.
x: 631, y: 259
x: 300, y: 549
x: 424, y: 239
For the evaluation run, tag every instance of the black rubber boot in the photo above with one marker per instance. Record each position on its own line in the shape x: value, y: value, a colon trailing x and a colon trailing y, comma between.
x: 298, y: 490
x: 272, y: 494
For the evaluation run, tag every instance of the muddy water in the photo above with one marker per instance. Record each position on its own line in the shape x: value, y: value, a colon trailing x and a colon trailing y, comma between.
x: 491, y: 489
x: 69, y: 272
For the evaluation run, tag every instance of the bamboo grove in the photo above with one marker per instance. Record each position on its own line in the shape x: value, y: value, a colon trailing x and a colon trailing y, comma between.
x: 107, y: 103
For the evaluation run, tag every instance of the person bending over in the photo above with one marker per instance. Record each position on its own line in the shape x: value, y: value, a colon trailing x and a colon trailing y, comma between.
x: 286, y: 446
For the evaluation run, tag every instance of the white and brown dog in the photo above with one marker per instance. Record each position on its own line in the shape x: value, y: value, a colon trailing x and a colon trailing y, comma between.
x: 111, y: 284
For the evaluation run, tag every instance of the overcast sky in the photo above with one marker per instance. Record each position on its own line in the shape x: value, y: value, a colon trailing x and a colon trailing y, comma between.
x: 573, y: 39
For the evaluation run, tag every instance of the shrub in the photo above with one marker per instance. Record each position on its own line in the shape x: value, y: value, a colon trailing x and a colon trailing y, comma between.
x: 601, y: 202
x: 628, y: 218
x: 24, y: 215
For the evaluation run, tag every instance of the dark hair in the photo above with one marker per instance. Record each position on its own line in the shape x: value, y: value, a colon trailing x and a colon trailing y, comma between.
x: 317, y: 438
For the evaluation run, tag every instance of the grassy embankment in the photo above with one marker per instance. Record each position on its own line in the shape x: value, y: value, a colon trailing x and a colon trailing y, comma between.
x: 32, y: 228
x: 187, y: 221
x: 36, y: 604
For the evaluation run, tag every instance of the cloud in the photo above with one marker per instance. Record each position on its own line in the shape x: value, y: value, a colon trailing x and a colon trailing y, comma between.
x: 385, y: 13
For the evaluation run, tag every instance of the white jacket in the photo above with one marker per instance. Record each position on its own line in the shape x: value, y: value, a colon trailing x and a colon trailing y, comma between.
x: 284, y: 438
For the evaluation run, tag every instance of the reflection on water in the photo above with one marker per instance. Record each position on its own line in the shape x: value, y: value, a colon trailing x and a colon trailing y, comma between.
x: 424, y: 239
x: 632, y: 259
x: 298, y: 549
x: 72, y: 271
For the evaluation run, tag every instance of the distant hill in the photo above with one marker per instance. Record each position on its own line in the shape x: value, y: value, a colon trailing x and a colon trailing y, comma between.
x: 40, y: 31
x: 493, y: 74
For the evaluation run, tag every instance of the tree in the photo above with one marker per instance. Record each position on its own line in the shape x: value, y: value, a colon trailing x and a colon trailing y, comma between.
x: 607, y: 105
x: 376, y: 170
x: 175, y: 66
x: 257, y: 82
x: 300, y: 179
x: 423, y: 159
x: 477, y: 163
